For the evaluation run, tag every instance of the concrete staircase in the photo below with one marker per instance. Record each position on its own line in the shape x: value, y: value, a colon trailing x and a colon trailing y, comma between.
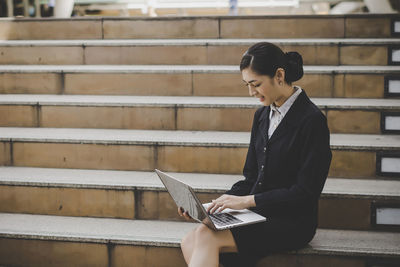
x: 89, y: 107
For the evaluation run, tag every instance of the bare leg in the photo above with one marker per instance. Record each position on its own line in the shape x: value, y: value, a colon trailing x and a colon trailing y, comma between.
x: 187, y: 245
x: 202, y: 246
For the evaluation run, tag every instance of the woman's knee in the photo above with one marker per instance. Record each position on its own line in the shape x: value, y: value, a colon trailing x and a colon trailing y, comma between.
x: 222, y: 240
x: 204, y: 234
x: 187, y: 244
x: 188, y: 240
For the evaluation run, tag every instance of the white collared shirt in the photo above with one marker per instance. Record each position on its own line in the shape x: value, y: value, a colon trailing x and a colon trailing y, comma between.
x: 278, y: 113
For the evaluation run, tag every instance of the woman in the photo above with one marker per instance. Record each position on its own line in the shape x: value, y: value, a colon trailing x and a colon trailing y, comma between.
x: 285, y: 170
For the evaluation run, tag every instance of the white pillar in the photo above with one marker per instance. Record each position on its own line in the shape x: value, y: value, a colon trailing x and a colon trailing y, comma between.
x: 10, y: 8
x: 26, y: 7
x: 379, y: 6
x: 37, y: 8
x: 63, y: 8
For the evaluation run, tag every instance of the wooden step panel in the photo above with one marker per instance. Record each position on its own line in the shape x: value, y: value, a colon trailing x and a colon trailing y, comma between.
x: 347, y: 26
x: 237, y: 119
x: 28, y: 252
x: 317, y: 54
x: 202, y: 159
x: 184, y: 84
x: 47, y: 29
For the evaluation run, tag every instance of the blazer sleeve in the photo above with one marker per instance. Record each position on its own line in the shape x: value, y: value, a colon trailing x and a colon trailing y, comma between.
x: 315, y: 159
x: 250, y: 169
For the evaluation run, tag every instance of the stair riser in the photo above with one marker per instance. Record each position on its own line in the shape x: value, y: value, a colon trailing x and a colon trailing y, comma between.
x: 334, y: 212
x: 262, y: 27
x: 322, y: 260
x: 128, y: 157
x: 306, y: 27
x: 197, y: 84
x: 68, y: 201
x: 52, y: 29
x: 62, y: 253
x: 169, y: 118
x: 187, y: 55
x: 31, y: 252
x: 151, y: 118
x: 207, y: 159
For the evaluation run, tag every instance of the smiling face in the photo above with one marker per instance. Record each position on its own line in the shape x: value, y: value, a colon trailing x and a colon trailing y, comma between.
x: 266, y: 89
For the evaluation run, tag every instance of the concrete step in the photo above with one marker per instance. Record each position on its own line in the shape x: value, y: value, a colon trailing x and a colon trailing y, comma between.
x: 287, y: 26
x: 354, y: 155
x: 197, y: 80
x: 181, y: 113
x: 344, y: 204
x: 66, y: 241
x: 340, y: 51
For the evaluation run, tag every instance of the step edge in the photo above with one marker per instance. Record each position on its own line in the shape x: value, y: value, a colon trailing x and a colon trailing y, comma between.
x: 326, y: 194
x: 184, y: 101
x: 231, y: 139
x: 135, y: 183
x: 197, y: 42
x: 184, y: 69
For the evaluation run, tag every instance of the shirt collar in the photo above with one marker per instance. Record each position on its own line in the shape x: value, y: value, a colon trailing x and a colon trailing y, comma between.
x: 282, y: 110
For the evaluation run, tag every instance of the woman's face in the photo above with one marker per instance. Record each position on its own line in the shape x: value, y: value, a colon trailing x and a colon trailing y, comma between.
x: 261, y: 86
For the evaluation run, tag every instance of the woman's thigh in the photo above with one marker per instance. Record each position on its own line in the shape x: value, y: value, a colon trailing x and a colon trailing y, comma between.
x: 223, y: 240
x: 227, y: 238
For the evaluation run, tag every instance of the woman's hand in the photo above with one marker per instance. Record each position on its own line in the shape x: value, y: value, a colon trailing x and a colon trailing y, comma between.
x: 232, y: 202
x: 184, y: 214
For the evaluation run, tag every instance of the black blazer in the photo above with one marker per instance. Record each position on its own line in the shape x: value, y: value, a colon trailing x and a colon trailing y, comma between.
x: 287, y: 172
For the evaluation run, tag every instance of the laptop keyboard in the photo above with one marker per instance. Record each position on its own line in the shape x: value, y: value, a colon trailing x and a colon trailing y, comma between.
x: 223, y: 219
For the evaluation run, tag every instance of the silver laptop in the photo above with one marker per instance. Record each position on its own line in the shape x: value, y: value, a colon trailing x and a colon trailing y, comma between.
x: 185, y: 197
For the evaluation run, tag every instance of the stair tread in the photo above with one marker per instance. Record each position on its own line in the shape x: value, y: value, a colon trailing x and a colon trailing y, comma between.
x: 182, y: 69
x: 167, y: 233
x: 178, y: 138
x: 185, y: 101
x: 202, y: 42
x: 101, y: 230
x: 210, y: 183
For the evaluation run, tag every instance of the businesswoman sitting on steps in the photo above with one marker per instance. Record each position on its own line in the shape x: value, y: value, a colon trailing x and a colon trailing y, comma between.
x: 285, y: 170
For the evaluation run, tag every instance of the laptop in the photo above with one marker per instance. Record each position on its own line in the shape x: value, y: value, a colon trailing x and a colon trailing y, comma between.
x: 184, y: 197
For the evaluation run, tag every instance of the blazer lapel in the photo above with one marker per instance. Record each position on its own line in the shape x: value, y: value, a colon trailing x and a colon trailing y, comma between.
x: 292, y: 117
x: 263, y: 122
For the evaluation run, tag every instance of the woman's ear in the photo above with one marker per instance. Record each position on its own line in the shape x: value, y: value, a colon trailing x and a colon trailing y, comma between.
x: 280, y: 76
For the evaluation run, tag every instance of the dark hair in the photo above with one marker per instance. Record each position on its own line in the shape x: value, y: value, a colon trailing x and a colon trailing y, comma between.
x: 265, y: 58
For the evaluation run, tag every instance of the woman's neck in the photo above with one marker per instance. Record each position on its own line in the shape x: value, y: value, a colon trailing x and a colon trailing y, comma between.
x: 288, y: 91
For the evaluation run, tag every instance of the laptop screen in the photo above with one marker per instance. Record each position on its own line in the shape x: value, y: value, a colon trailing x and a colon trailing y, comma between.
x: 183, y: 196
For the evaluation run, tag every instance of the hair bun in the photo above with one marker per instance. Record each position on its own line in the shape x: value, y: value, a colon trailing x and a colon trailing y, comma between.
x: 295, y: 66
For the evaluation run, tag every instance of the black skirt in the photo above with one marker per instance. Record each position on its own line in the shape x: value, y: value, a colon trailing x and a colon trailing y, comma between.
x: 256, y: 241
